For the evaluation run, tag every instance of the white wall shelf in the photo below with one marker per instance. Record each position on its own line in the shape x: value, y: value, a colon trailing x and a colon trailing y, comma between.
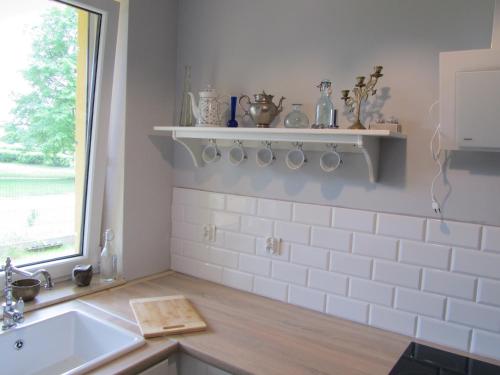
x: 366, y: 142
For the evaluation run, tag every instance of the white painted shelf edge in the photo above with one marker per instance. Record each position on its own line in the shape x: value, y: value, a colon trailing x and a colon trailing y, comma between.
x: 365, y: 141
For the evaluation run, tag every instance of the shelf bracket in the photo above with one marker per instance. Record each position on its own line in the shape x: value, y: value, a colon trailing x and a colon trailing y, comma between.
x: 370, y: 147
x: 194, y: 148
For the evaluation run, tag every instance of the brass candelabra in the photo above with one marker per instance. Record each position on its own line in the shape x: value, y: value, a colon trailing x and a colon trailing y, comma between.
x: 361, y: 91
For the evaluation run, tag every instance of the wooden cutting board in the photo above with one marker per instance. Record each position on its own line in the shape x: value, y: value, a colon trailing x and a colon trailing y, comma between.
x: 160, y: 316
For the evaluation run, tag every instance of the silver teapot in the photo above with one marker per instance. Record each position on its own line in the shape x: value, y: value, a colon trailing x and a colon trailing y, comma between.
x: 263, y: 111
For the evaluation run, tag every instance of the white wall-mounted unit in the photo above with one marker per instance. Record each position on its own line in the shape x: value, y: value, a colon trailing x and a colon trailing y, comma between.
x: 469, y: 95
x: 470, y: 100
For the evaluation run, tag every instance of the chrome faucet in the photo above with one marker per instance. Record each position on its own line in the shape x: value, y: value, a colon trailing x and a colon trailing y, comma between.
x: 13, y: 312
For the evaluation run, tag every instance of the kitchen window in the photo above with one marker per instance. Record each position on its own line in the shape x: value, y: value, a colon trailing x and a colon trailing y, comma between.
x: 54, y: 114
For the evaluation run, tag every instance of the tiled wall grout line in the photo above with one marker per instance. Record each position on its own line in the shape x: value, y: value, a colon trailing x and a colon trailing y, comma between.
x: 412, y: 275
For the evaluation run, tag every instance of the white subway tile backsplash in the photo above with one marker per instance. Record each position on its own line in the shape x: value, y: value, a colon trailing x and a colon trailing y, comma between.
x: 270, y: 288
x: 226, y: 221
x: 224, y: 258
x: 196, y: 250
x: 256, y: 226
x: 474, y: 315
x: 443, y: 333
x: 328, y: 282
x: 196, y: 215
x: 449, y: 284
x: 396, y: 274
x: 488, y: 292
x: 198, y: 269
x: 474, y: 263
x: 453, y: 233
x: 183, y: 265
x: 420, y: 303
x: 240, y: 242
x: 485, y: 343
x: 351, y: 264
x: 389, y: 271
x: 491, y: 239
x: 214, y: 201
x: 363, y: 221
x: 187, y: 231
x: 240, y: 204
x: 292, y: 232
x: 312, y: 214
x: 255, y: 265
x: 347, y: 308
x: 210, y: 272
x: 274, y: 209
x: 177, y: 212
x: 424, y: 254
x: 175, y: 246
x: 401, y: 226
x: 370, y: 291
x: 310, y: 256
x: 392, y: 320
x: 375, y: 246
x: 334, y: 239
x: 289, y: 272
x: 238, y: 280
x: 306, y: 297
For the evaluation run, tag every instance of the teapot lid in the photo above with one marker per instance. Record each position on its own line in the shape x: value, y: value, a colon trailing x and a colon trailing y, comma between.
x: 209, y: 92
x: 263, y: 97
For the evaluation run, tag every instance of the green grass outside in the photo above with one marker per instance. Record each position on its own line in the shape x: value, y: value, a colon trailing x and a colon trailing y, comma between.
x: 20, y: 180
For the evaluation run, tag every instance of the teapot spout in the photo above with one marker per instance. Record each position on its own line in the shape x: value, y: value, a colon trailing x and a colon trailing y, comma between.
x: 280, y: 104
x: 194, y: 106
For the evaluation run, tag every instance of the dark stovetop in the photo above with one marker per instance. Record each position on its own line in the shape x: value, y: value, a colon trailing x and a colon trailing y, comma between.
x: 420, y: 359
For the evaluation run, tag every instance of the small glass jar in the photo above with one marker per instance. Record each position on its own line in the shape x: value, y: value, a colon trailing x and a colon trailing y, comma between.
x: 296, y: 118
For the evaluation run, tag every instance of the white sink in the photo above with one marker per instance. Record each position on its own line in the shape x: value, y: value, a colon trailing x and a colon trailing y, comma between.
x: 70, y: 343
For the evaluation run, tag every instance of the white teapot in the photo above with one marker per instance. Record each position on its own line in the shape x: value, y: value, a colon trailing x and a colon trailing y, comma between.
x: 208, y: 111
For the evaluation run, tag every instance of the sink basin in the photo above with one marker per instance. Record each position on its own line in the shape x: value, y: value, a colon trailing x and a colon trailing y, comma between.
x: 69, y: 343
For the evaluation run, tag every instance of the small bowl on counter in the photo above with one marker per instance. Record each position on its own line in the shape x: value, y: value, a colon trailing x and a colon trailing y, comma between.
x: 27, y: 289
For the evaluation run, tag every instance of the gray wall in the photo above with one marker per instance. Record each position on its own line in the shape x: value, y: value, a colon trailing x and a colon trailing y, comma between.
x: 150, y: 100
x: 287, y: 46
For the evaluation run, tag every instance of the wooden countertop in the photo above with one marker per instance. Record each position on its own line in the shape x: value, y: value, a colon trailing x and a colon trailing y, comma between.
x: 249, y: 334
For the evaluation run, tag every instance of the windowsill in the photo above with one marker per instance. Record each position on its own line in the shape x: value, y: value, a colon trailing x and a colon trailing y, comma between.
x: 67, y: 290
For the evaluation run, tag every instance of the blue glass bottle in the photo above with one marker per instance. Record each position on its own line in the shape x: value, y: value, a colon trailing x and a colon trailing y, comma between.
x: 232, y: 123
x: 325, y: 117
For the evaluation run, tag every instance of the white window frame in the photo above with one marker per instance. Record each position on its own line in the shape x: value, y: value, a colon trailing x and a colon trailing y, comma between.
x: 61, y: 268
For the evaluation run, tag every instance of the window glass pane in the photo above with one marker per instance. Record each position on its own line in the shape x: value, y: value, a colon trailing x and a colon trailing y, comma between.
x: 45, y: 106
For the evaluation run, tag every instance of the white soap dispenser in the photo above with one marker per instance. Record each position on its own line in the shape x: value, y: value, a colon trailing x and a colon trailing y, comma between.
x: 108, y: 264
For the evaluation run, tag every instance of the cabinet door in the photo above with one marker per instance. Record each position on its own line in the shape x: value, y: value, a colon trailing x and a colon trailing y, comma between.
x: 477, y: 109
x: 166, y: 367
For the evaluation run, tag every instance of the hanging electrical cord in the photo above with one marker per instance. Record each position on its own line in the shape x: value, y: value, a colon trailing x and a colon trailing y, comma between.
x: 435, y: 147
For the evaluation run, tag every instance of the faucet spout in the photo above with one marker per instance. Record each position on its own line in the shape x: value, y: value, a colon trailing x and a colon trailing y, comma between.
x: 49, y: 284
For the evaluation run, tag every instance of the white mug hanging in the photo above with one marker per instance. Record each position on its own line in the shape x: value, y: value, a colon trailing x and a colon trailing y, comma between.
x: 210, y: 153
x: 330, y: 160
x: 237, y: 153
x: 265, y: 156
x: 295, y: 158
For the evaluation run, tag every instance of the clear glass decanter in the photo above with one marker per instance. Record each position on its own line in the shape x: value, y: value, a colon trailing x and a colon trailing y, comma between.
x: 324, y: 107
x: 186, y: 118
x: 108, y: 261
x: 296, y: 118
